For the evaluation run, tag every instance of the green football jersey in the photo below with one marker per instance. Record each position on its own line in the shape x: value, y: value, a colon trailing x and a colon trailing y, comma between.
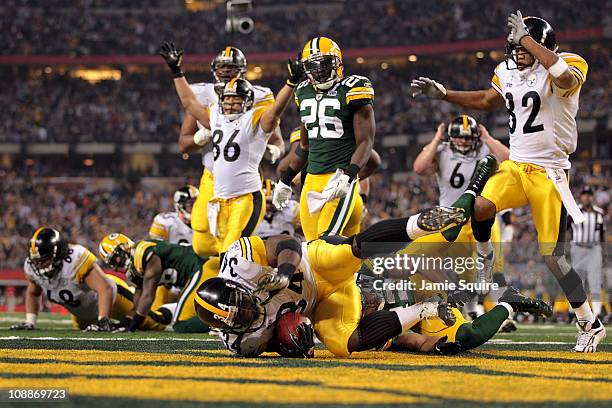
x: 328, y: 118
x: 179, y: 262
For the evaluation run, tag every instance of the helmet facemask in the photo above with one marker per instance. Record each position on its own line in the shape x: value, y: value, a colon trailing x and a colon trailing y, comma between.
x: 247, y: 314
x: 322, y: 70
x: 120, y: 258
x: 46, y: 266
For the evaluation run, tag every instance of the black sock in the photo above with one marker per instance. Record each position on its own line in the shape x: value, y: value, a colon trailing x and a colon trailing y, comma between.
x: 573, y: 288
x: 384, y: 237
x: 376, y: 329
x: 482, y: 229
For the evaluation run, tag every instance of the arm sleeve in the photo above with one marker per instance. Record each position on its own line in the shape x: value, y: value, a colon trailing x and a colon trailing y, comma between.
x: 360, y: 94
x: 496, y: 83
x: 578, y: 67
x: 83, y: 265
x: 159, y: 229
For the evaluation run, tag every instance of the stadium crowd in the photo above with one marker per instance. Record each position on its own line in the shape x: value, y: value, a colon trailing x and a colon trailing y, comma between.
x: 53, y: 27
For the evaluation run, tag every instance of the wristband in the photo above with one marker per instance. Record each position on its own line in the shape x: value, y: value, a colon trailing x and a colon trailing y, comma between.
x: 352, y: 170
x: 558, y: 68
x: 177, y: 72
x: 31, y: 318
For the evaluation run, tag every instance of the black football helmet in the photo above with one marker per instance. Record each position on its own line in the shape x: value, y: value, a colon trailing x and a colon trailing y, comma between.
x: 230, y: 63
x: 238, y: 87
x: 182, y: 198
x: 540, y: 31
x: 229, y: 306
x: 464, y: 128
x: 47, y: 252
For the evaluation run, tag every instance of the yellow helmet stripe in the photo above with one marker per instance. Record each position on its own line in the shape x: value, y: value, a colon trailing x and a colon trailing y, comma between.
x: 232, y: 82
x: 465, y: 123
x: 210, y: 307
x: 33, y: 240
x: 268, y: 188
x: 228, y: 51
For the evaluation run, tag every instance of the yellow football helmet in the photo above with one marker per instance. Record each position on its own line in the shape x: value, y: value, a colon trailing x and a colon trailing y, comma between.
x: 114, y: 249
x: 322, y: 60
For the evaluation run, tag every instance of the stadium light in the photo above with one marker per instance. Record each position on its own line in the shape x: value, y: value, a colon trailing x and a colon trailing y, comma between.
x: 412, y: 58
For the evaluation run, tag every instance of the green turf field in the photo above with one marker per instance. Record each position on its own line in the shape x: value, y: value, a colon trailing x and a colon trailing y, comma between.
x: 531, y: 367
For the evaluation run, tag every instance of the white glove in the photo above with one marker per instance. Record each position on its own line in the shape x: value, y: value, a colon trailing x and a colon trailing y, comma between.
x: 281, y: 195
x: 428, y: 87
x: 202, y: 136
x: 272, y: 282
x: 518, y: 29
x: 338, y: 188
x: 272, y: 153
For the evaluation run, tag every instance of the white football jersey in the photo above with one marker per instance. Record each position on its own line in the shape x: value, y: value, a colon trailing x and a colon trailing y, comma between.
x: 68, y: 287
x: 243, y: 264
x: 455, y: 171
x: 168, y: 226
x: 206, y: 95
x: 238, y: 147
x: 282, y: 221
x: 542, y: 116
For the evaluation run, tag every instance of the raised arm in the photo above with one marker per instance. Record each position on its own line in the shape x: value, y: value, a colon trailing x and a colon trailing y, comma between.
x: 426, y: 163
x: 497, y: 148
x: 271, y: 117
x: 486, y: 100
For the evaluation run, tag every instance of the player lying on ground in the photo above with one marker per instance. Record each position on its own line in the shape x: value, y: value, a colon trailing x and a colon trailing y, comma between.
x: 151, y: 263
x: 540, y: 87
x: 259, y: 280
x: 70, y: 276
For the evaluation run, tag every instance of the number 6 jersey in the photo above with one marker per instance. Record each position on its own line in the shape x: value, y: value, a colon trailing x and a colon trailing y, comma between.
x: 542, y: 115
x: 246, y: 262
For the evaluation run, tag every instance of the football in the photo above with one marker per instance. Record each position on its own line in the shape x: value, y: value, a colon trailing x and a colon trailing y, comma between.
x: 302, y: 344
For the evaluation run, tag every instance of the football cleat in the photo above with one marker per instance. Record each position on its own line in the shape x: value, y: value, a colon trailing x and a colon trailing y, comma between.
x: 436, y: 306
x: 522, y: 303
x: 508, y: 326
x: 438, y: 219
x: 484, y: 275
x: 589, y: 336
x: 485, y: 169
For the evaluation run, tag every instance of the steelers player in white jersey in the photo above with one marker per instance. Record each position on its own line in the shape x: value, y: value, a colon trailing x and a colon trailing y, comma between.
x: 540, y: 87
x: 69, y: 275
x: 278, y: 221
x: 240, y: 134
x: 229, y: 63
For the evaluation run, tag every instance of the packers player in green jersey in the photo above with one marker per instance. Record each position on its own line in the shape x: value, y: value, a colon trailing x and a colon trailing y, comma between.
x: 151, y: 263
x: 337, y: 135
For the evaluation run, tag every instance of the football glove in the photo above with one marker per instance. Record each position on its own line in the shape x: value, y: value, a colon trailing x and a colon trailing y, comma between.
x: 428, y: 87
x: 273, y: 282
x: 202, y: 136
x: 303, y: 344
x: 518, y: 29
x: 281, y: 195
x: 173, y: 58
x: 272, y: 153
x: 446, y: 348
x: 338, y: 188
x: 295, y: 70
x: 104, y: 324
x: 22, y: 326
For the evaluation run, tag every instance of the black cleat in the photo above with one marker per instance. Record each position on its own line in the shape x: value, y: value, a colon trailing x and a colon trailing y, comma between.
x: 508, y: 326
x: 522, y: 303
x: 436, y: 306
x: 485, y: 169
x: 438, y: 219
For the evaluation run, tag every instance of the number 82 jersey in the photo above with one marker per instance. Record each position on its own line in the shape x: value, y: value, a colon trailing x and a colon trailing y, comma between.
x: 328, y: 119
x: 246, y: 262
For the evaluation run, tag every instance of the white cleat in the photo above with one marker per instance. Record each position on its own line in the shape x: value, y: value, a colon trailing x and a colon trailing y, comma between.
x: 589, y: 336
x: 484, y: 275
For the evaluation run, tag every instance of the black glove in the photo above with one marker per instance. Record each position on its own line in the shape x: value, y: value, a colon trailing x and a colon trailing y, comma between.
x: 303, y: 343
x: 136, y: 322
x: 173, y: 58
x: 22, y: 326
x: 296, y: 71
x: 446, y: 348
x: 459, y: 298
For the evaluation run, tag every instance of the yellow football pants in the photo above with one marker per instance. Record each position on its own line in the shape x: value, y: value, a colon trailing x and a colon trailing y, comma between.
x: 341, y: 216
x: 203, y: 242
x: 185, y: 308
x: 436, y: 327
x: 239, y: 217
x: 338, y: 309
x: 515, y: 185
x: 163, y: 296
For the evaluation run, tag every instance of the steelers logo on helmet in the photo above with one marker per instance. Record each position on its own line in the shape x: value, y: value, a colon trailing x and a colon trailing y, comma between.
x: 463, y: 134
x: 236, y: 98
x: 184, y: 198
x: 322, y: 60
x: 229, y: 306
x: 517, y: 57
x: 228, y: 64
x: 114, y: 249
x: 47, y: 251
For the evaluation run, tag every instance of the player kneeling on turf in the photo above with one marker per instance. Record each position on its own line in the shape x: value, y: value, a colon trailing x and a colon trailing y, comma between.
x: 70, y: 276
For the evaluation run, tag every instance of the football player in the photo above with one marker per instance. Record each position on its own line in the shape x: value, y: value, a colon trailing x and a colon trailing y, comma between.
x: 230, y: 63
x: 540, y: 88
x: 278, y: 221
x: 70, y: 276
x: 240, y: 132
x: 452, y: 156
x: 150, y: 263
x: 317, y: 278
x: 337, y: 135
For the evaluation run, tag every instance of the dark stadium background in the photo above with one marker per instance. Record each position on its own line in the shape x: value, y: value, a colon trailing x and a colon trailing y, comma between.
x: 89, y: 119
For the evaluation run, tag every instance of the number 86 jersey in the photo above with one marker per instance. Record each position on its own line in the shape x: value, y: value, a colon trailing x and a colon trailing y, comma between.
x: 246, y: 262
